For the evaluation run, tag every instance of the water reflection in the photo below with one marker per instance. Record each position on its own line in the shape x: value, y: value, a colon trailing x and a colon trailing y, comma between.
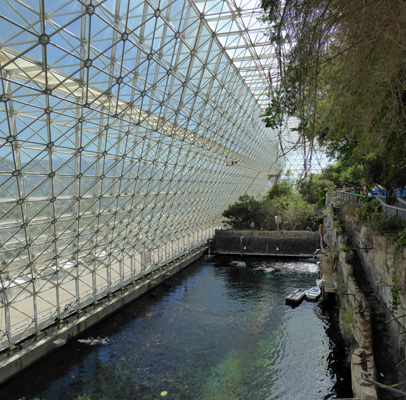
x: 218, y: 330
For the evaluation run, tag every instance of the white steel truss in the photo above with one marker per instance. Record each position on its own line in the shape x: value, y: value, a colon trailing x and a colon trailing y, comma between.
x: 126, y: 128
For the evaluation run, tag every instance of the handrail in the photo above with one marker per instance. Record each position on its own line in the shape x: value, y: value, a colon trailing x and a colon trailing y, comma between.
x: 401, y: 203
x: 393, y: 210
x: 348, y: 197
x: 387, y: 209
x: 366, y: 376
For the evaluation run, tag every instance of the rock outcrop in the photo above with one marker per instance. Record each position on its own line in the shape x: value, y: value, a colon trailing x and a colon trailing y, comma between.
x: 375, y: 254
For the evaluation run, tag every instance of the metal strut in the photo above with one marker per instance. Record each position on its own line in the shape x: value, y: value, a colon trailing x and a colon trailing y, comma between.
x: 365, y: 376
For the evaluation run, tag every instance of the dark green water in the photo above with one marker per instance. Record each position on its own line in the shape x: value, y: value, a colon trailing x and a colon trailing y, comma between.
x: 216, y: 331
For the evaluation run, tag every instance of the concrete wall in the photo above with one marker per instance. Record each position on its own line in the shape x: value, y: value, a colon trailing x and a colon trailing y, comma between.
x: 271, y: 243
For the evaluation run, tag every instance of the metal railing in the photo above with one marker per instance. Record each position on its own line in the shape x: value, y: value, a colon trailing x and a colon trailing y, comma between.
x: 392, y: 210
x: 401, y: 203
x: 358, y: 200
x: 348, y: 197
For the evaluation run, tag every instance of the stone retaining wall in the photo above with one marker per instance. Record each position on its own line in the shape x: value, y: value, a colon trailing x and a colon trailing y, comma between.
x: 376, y: 255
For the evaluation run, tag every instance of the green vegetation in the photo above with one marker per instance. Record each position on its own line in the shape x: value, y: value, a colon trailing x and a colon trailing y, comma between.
x: 345, y: 247
x: 280, y: 189
x: 341, y: 73
x: 400, y: 244
x: 371, y: 214
x: 314, y: 188
x: 347, y: 321
x: 395, y: 292
x: 297, y: 204
x: 365, y: 212
x: 341, y: 282
x: 245, y: 213
x: 384, y: 223
x: 281, y: 200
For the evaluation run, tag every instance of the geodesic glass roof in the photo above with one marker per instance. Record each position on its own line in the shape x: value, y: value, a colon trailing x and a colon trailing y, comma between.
x: 126, y: 127
x: 242, y: 30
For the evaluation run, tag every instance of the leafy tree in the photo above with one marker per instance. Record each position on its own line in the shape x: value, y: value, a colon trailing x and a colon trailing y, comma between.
x: 244, y: 213
x: 280, y: 188
x: 314, y: 189
x: 296, y: 213
x: 341, y: 73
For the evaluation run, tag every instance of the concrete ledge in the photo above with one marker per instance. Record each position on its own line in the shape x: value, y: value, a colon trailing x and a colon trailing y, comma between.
x: 362, y: 359
x: 269, y: 234
x: 30, y: 351
x: 220, y: 252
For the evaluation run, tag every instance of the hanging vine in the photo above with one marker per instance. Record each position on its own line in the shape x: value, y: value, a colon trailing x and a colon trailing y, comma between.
x: 341, y: 74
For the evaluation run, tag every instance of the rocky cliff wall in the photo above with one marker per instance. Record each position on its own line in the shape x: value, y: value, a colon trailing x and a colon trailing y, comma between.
x: 374, y: 253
